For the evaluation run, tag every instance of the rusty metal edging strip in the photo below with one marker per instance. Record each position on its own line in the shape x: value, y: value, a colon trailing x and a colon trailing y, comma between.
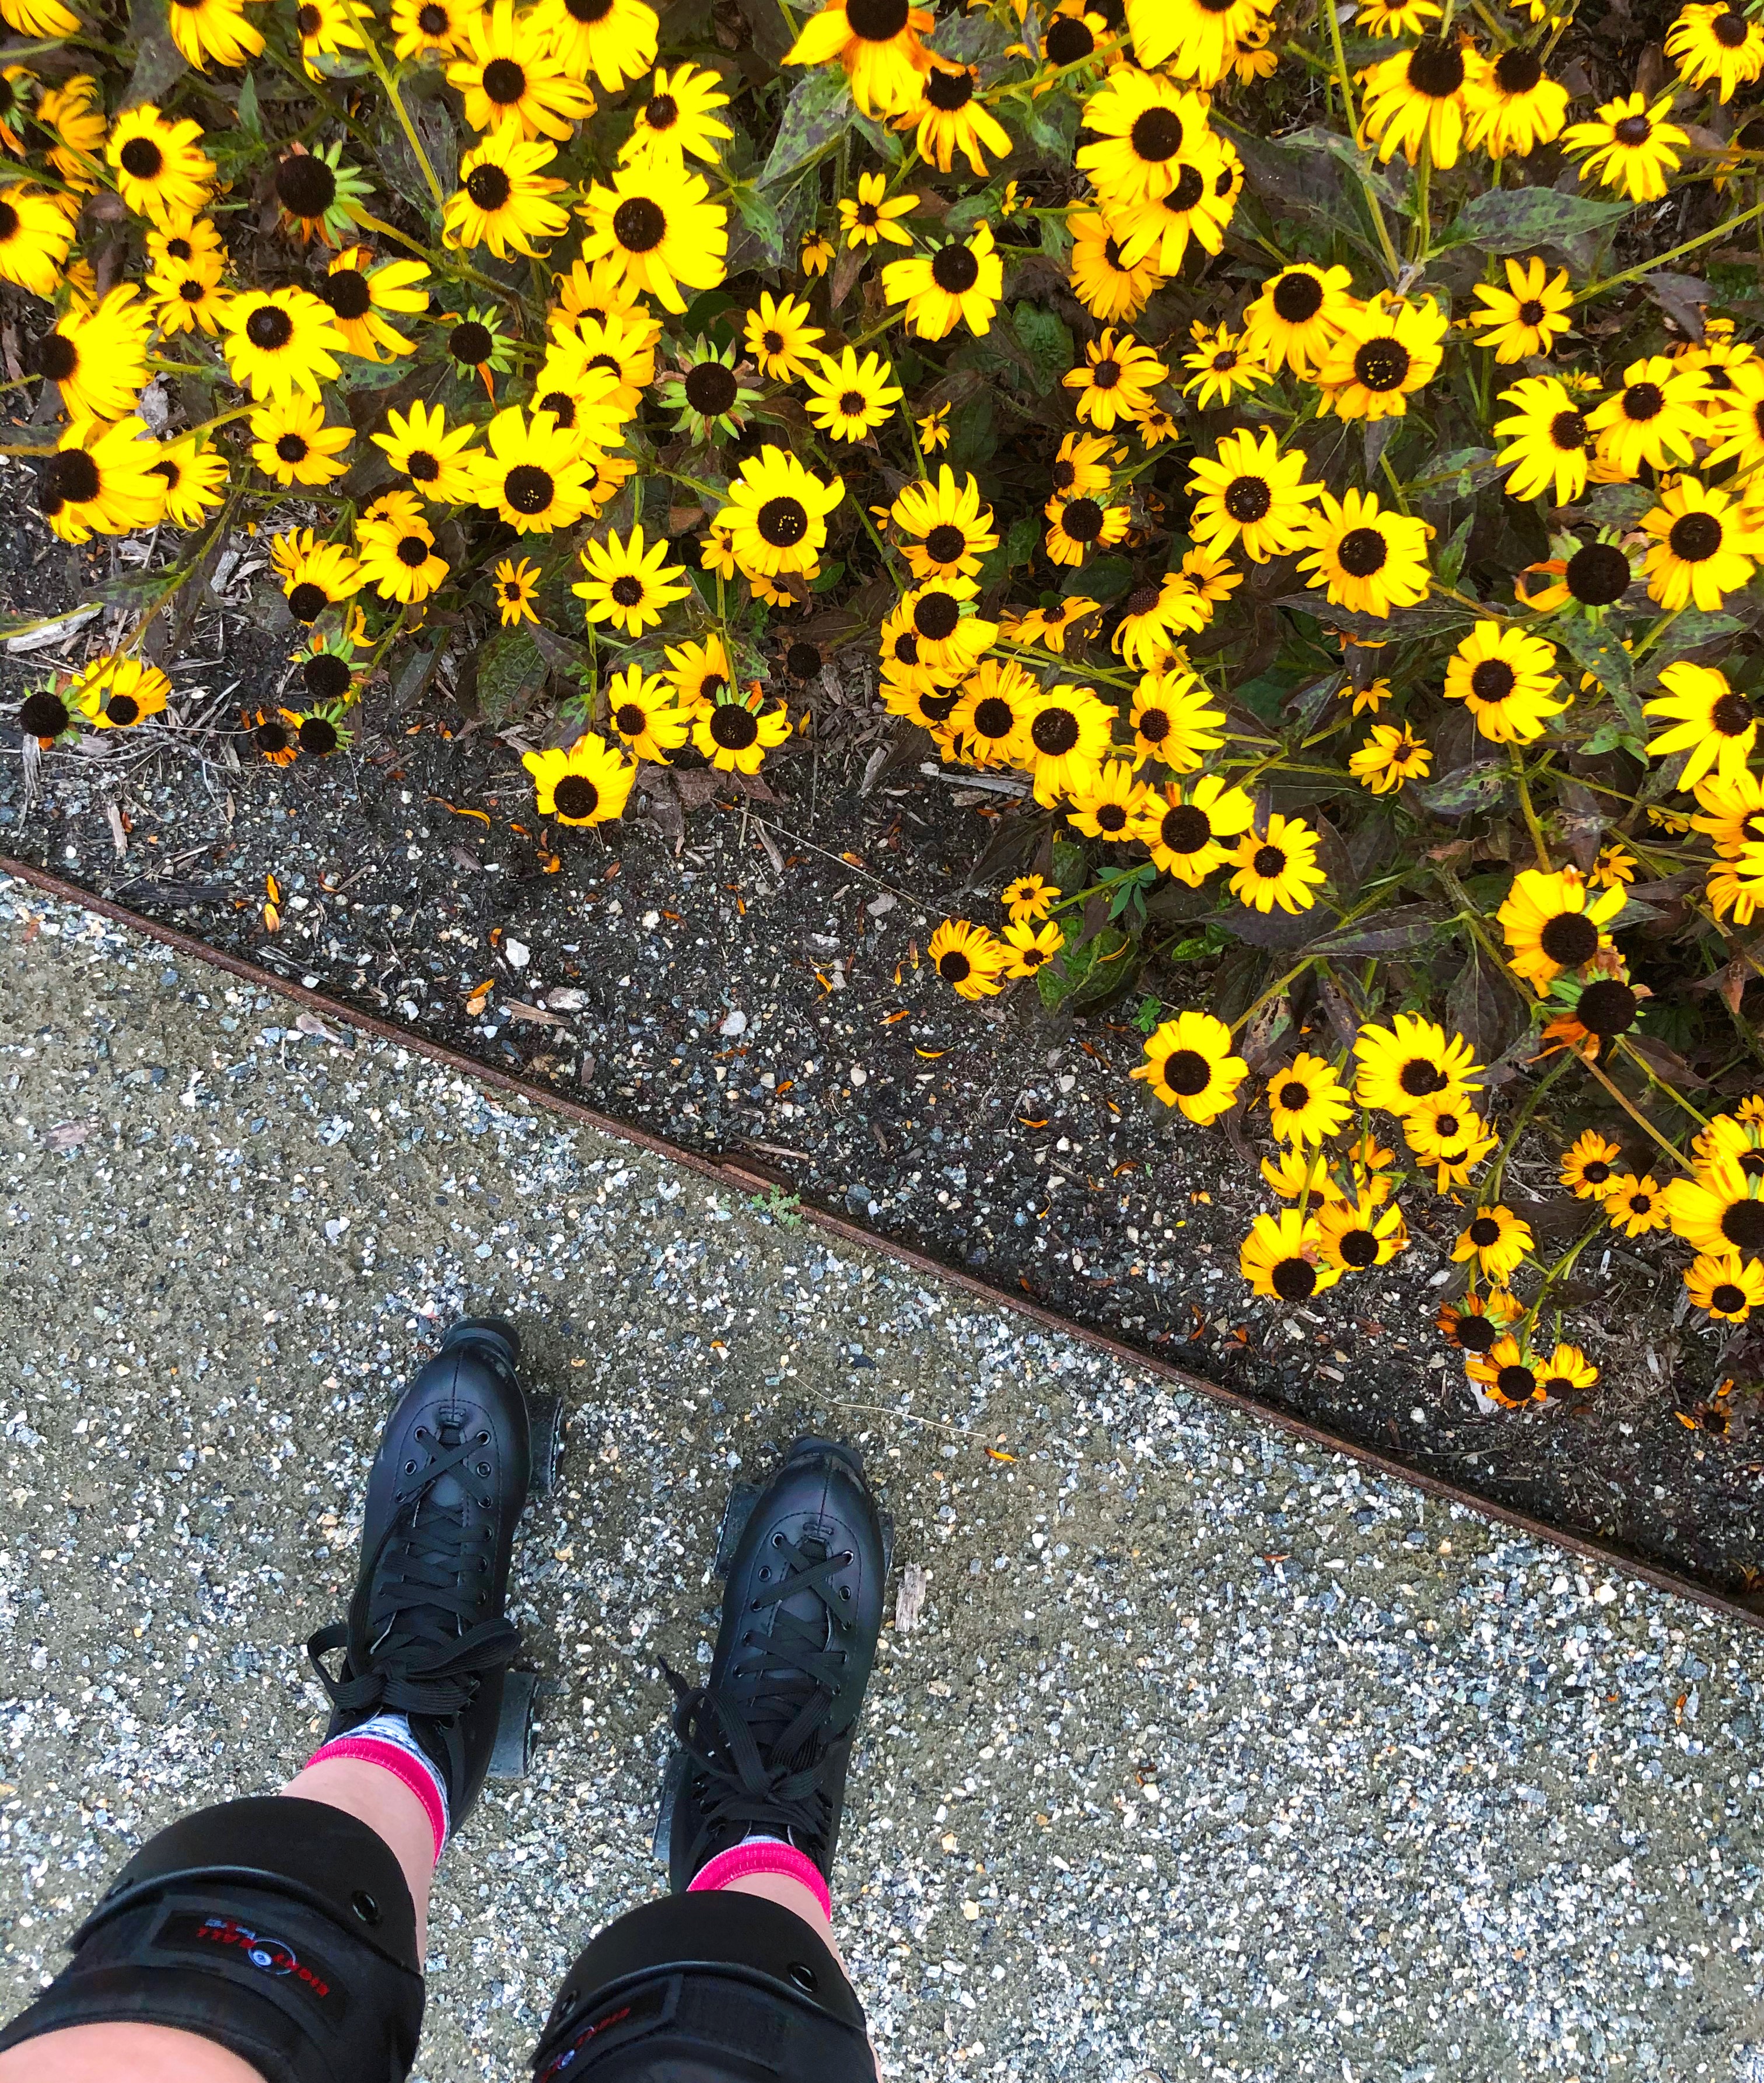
x: 724, y: 1169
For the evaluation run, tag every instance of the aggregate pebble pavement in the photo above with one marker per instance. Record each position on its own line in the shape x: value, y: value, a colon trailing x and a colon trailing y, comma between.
x: 1208, y: 1757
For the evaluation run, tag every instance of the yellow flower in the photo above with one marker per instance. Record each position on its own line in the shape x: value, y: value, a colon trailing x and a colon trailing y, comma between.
x: 869, y: 216
x: 1630, y: 145
x: 1190, y: 1064
x: 586, y: 785
x: 1140, y: 123
x: 1116, y: 381
x: 627, y: 585
x: 958, y: 283
x: 516, y: 585
x: 1366, y: 560
x: 1526, y: 318
x: 1416, y: 99
x: 1507, y: 679
x: 641, y: 708
x: 1382, y: 352
x: 1554, y: 924
x: 1496, y: 1239
x: 1283, y: 1257
x: 1278, y: 866
x: 779, y: 336
x: 662, y: 230
x: 876, y: 41
x: 510, y: 81
x: 279, y: 341
x: 1708, y: 719
x: 291, y: 443
x: 1706, y: 545
x: 951, y: 118
x: 115, y: 693
x: 506, y: 199
x: 968, y: 958
x: 420, y: 445
x: 1391, y: 755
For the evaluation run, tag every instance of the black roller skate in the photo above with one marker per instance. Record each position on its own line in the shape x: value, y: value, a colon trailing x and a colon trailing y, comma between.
x: 426, y: 1636
x: 763, y: 1746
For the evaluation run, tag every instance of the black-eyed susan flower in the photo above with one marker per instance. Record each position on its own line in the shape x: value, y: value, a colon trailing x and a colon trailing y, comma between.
x: 611, y: 40
x: 511, y: 81
x: 327, y: 28
x: 663, y: 230
x: 1083, y: 465
x: 945, y: 527
x: 1277, y: 866
x: 279, y: 341
x: 315, y: 575
x: 274, y: 735
x: 1720, y: 1210
x: 1175, y: 712
x: 1706, y: 545
x: 1153, y: 616
x: 1553, y: 922
x: 1566, y: 1369
x: 1633, y: 1204
x: 1065, y: 739
x: 1190, y: 1065
x: 1497, y: 1240
x: 877, y: 42
x: 1196, y: 40
x: 1298, y: 1173
x: 1549, y: 440
x: 957, y: 283
x: 1654, y: 417
x: 327, y: 672
x: 1108, y: 803
x: 1293, y: 321
x: 1409, y: 1061
x: 514, y: 588
x: 850, y: 396
x: 100, y: 480
x: 601, y: 292
x: 1222, y: 364
x: 1364, y: 558
x: 1076, y: 527
x: 1415, y: 100
x: 873, y: 215
x: 775, y: 513
x: 1594, y: 1012
x: 995, y: 705
x: 1447, y: 1134
x: 396, y: 546
x: 699, y: 672
x: 420, y: 445
x: 1589, y: 1164
x: 950, y: 639
x: 1713, y: 43
x: 1029, y: 898
x: 589, y: 784
x: 1508, y: 1374
x: 1528, y: 316
x: 1708, y: 719
x: 97, y: 357
x: 1028, y: 946
x: 1116, y: 381
x: 816, y: 252
x: 1306, y: 1101
x: 1140, y: 123
x: 1354, y: 1235
x: 967, y: 957
x: 641, y: 710
x: 1189, y: 827
x: 506, y: 199
x: 1629, y: 145
x: 195, y: 480
x: 115, y: 692
x: 1513, y: 105
x: 319, y: 194
x: 1729, y: 1284
x: 1052, y: 623
x: 292, y: 445
x: 780, y: 337
x: 1252, y: 495
x: 1594, y: 576
x: 1737, y: 423
x: 1283, y: 1257
x: 72, y: 113
x: 1196, y: 206
x: 628, y: 584
x: 188, y: 296
x: 1108, y: 285
x: 1391, y: 755
x: 477, y: 344
x: 1474, y: 1325
x: 532, y: 475
x: 708, y: 392
x: 678, y: 119
x: 1507, y: 679
x: 431, y: 29
x: 934, y: 430
x: 1382, y: 353
x: 1074, y: 31
x: 160, y: 169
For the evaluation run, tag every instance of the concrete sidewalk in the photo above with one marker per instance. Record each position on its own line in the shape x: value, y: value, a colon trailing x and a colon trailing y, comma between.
x: 1208, y: 1758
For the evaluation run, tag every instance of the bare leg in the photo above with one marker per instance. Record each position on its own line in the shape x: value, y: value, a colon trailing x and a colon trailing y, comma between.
x: 789, y: 1894
x: 389, y: 1809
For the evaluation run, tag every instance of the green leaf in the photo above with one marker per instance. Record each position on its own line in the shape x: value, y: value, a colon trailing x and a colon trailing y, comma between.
x: 1146, y: 1018
x: 1462, y: 793
x: 1485, y: 1007
x: 1070, y: 867
x: 760, y: 216
x: 511, y: 672
x: 158, y: 61
x: 1517, y: 220
x: 1046, y: 341
x: 1450, y: 560
x: 1105, y: 580
x: 1619, y: 505
x: 250, y: 115
x: 1394, y: 932
x: 1020, y: 544
x: 818, y: 112
x: 1693, y: 628
x: 1052, y: 132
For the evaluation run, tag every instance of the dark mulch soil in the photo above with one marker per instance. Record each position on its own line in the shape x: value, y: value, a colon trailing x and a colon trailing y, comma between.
x: 749, y: 980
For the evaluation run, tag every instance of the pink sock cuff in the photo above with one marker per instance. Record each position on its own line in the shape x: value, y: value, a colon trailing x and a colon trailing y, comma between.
x: 741, y: 1861
x: 402, y: 1767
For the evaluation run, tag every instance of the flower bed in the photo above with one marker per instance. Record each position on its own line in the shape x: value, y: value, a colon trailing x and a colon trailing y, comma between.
x: 1290, y: 456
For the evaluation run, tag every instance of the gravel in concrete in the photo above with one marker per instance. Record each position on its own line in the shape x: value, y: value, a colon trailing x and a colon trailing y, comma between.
x: 1207, y: 1756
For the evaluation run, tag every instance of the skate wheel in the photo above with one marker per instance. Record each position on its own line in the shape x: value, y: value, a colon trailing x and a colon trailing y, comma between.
x: 545, y: 1429
x: 673, y: 1779
x: 512, y: 1754
x: 736, y: 1514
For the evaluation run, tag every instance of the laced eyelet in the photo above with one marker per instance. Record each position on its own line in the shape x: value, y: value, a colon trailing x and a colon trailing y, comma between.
x: 483, y: 1438
x: 845, y: 1593
x: 778, y: 1540
x: 483, y: 1467
x: 410, y: 1467
x: 765, y: 1575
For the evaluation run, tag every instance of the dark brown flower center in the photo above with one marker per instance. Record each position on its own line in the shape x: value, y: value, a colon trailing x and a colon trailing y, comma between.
x: 1067, y: 41
x: 1419, y: 1076
x: 1492, y: 680
x: 954, y: 967
x: 1632, y: 130
x: 346, y: 291
x: 1726, y: 1297
x: 1187, y: 1072
x: 141, y: 158
x: 954, y: 269
x: 305, y: 186
x: 1293, y: 1279
x: 935, y: 616
x: 1569, y: 938
x: 489, y: 187
x: 57, y: 357
x: 1608, y: 1007
x: 470, y: 344
x: 627, y: 590
x: 734, y: 727
x: 661, y: 111
x: 1694, y: 536
x: 528, y: 489
x: 1269, y: 862
x: 711, y: 389
x: 783, y: 522
x: 1733, y: 716
x: 1597, y: 574
x: 1436, y: 68
x: 1642, y: 402
x: 505, y: 81
x: 1518, y: 1383
x: 1484, y: 1231
x: 1055, y: 731
x: 269, y: 328
x: 631, y: 720
x: 71, y: 479
x: 1182, y: 828
x: 1297, y: 298
x: 576, y: 797
x: 1361, y: 551
x: 1530, y: 311
x: 1517, y: 71
x: 639, y: 225
x: 326, y: 677
x: 802, y: 660
x: 1247, y: 499
x: 948, y: 91
x: 412, y: 551
x: 1382, y: 364
x: 307, y: 600
x: 994, y: 718
x: 1358, y: 1248
x: 1082, y: 520
x: 945, y: 543
x: 877, y: 21
x: 1156, y: 135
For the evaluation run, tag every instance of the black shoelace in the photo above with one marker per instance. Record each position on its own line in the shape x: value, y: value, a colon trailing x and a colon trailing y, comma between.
x: 411, y: 1643
x: 756, y: 1744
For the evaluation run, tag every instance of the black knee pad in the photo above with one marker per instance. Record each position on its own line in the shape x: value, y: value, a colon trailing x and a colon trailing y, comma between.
x: 706, y: 1989
x: 282, y: 1930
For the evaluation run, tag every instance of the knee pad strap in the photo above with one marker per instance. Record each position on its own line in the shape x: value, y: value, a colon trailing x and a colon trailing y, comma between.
x: 282, y: 1930
x: 706, y: 1989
